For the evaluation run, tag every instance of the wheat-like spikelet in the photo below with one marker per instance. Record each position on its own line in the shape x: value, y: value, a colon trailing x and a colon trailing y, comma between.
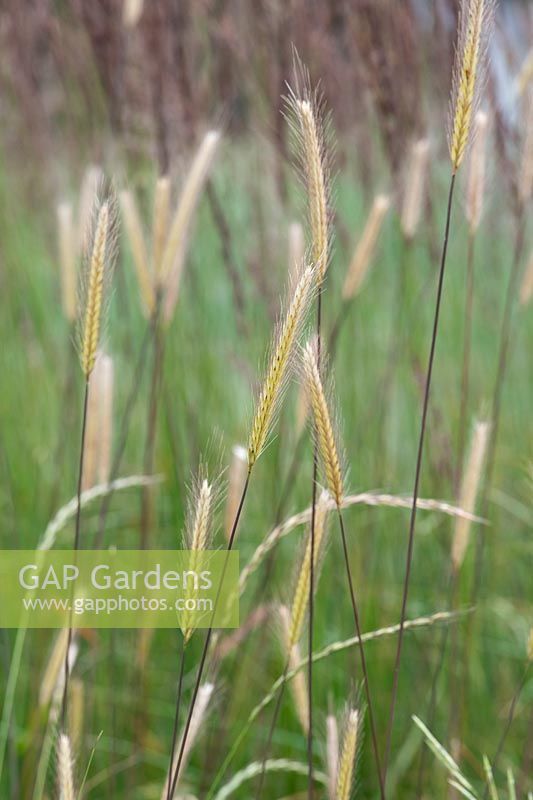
x: 525, y: 185
x: 296, y: 251
x: 133, y: 226
x: 176, y: 246
x: 65, y: 780
x: 526, y: 288
x: 469, y: 490
x: 307, y: 122
x: 205, y: 693
x: 160, y: 222
x: 279, y: 365
x: 92, y: 180
x: 98, y: 272
x: 364, y: 252
x: 301, y: 592
x: 76, y: 712
x: 346, y: 770
x: 323, y: 424
x: 237, y: 477
x: 298, y: 685
x: 332, y: 754
x: 198, y: 530
x: 67, y: 260
x: 413, y: 199
x: 474, y: 23
x: 476, y: 175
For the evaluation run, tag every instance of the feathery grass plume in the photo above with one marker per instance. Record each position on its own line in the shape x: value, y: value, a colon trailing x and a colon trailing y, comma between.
x: 476, y: 176
x: 237, y: 477
x: 99, y: 268
x: 279, y: 365
x: 300, y: 598
x: 65, y: 780
x: 474, y: 24
x: 76, y: 712
x: 364, y: 252
x: 298, y: 685
x: 133, y: 226
x: 332, y: 754
x: 67, y: 260
x: 310, y: 129
x: 323, y: 424
x: 198, y: 531
x: 302, y: 409
x: 525, y: 185
x: 160, y: 222
x: 199, y: 715
x: 92, y: 179
x: 296, y: 251
x: 176, y: 247
x: 526, y: 287
x: 348, y: 756
x: 413, y: 199
x: 469, y: 490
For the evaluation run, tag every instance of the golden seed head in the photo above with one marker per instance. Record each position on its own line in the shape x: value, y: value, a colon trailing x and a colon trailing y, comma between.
x: 279, y: 365
x: 316, y: 176
x: 332, y: 754
x: 475, y: 17
x: 469, y: 491
x: 364, y: 252
x: 346, y: 769
x: 65, y: 780
x: 98, y: 271
x: 323, y: 425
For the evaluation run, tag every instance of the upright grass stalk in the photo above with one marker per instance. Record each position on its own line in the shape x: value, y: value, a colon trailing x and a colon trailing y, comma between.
x: 266, y: 408
x: 328, y: 450
x: 310, y: 129
x: 475, y: 16
x: 98, y: 273
x: 198, y: 535
x: 292, y: 621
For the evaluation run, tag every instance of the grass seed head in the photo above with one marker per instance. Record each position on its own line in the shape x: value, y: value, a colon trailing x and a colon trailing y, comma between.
x: 364, y: 252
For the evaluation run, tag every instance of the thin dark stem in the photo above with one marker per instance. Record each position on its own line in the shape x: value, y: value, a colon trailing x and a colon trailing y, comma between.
x: 412, y: 522
x: 76, y: 547
x: 271, y: 732
x: 176, y: 715
x: 371, y: 717
x: 312, y: 576
x: 208, y: 640
x: 467, y: 347
x: 509, y: 722
x: 124, y: 428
